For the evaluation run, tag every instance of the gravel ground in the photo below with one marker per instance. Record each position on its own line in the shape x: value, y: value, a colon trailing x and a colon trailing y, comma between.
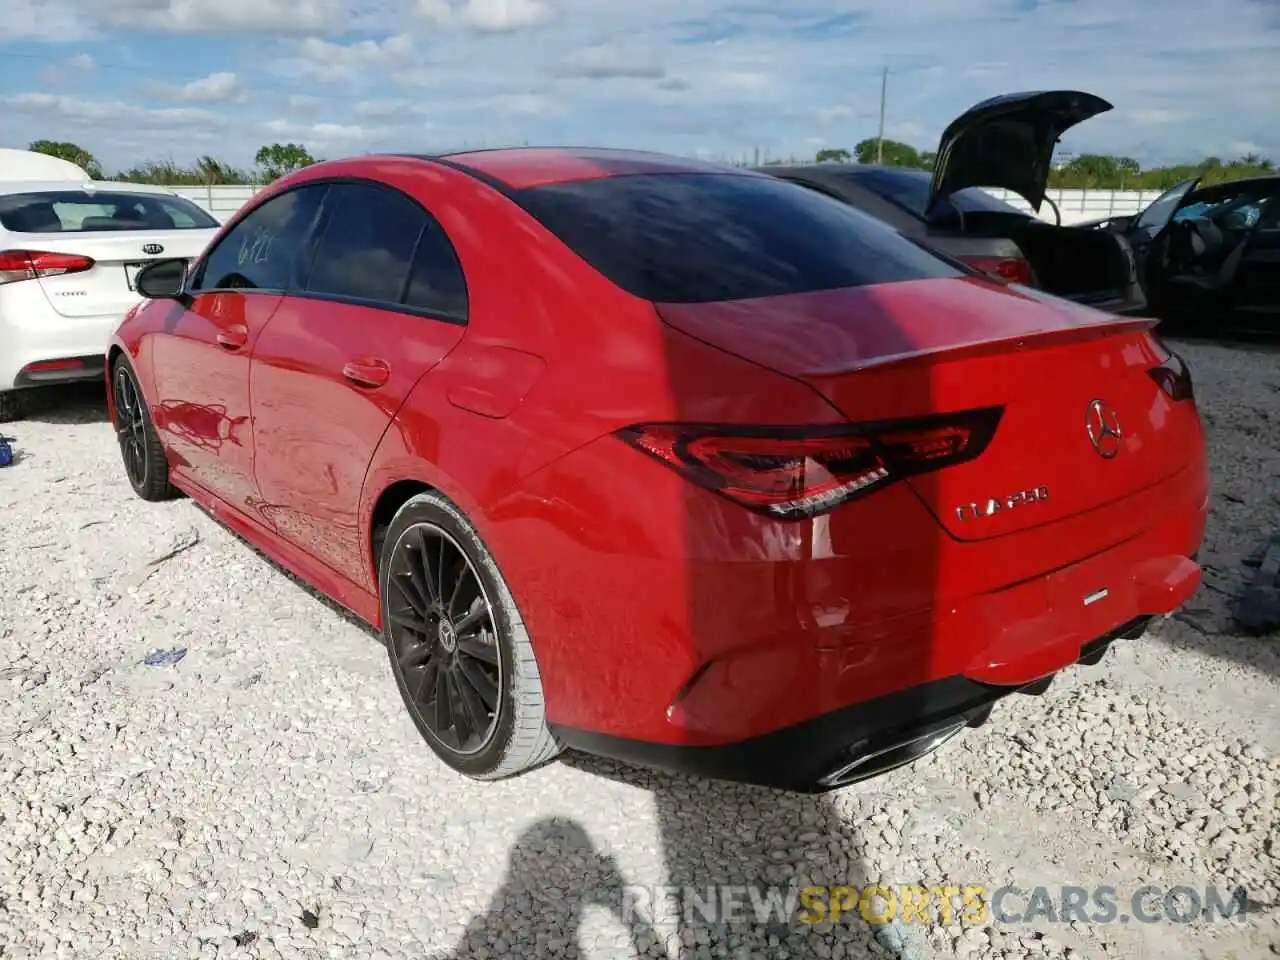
x: 267, y: 796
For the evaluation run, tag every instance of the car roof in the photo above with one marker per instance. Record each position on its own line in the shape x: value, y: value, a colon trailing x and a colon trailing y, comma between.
x: 1228, y: 186
x: 518, y: 168
x: 88, y: 186
x: 836, y: 168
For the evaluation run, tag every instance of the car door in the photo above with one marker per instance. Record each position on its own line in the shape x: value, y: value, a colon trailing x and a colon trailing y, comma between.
x: 384, y: 302
x: 1159, y: 213
x: 1256, y: 291
x: 201, y: 361
x: 1143, y: 231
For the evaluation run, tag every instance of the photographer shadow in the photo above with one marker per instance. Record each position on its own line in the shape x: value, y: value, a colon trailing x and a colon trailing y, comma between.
x: 734, y: 862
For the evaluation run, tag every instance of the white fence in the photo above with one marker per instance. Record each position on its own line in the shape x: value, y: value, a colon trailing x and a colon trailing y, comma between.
x: 1076, y: 206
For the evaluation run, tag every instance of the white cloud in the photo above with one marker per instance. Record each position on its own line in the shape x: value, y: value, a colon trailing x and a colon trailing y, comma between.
x: 486, y: 16
x: 113, y: 112
x: 524, y: 105
x: 220, y: 16
x: 505, y: 16
x: 315, y: 134
x: 1241, y: 148
x: 1156, y: 116
x: 837, y: 113
x: 363, y: 61
x: 704, y: 74
x: 607, y: 61
x: 439, y: 12
x: 359, y: 54
x: 385, y: 109
x: 67, y: 70
x: 215, y: 88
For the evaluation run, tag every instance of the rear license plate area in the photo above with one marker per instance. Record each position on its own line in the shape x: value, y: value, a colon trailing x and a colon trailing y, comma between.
x: 131, y: 274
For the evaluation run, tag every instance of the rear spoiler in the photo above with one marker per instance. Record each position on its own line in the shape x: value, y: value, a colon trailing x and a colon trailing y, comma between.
x: 1038, y: 340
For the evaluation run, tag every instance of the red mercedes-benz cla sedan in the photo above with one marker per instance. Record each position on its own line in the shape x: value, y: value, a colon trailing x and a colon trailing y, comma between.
x: 664, y: 461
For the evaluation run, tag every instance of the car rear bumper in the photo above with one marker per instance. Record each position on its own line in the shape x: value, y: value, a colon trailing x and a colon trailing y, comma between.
x: 31, y: 333
x: 682, y: 621
x: 61, y: 370
x: 843, y: 746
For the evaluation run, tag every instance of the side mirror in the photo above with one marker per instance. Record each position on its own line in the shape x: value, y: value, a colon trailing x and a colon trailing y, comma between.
x: 162, y: 280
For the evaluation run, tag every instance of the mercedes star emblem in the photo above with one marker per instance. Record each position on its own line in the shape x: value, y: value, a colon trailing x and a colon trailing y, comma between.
x: 1104, y: 429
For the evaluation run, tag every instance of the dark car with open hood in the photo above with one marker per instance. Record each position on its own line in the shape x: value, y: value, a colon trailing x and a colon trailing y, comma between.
x: 1005, y: 142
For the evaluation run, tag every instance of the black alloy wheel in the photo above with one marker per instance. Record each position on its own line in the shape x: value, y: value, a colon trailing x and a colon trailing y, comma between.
x: 143, y: 454
x: 131, y: 427
x: 444, y: 638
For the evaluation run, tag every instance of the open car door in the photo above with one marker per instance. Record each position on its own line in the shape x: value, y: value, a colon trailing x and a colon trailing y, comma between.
x: 1256, y: 298
x: 1146, y: 228
x: 1159, y: 212
x: 1008, y: 141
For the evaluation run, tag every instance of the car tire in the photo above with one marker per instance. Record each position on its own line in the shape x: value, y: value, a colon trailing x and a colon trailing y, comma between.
x: 428, y: 530
x: 145, y: 463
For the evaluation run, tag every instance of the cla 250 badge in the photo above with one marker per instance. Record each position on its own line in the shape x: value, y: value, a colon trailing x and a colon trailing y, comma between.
x: 994, y: 505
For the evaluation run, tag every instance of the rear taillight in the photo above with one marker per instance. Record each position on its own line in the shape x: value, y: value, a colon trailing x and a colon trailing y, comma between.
x: 797, y: 472
x: 52, y: 366
x: 1174, y: 377
x: 18, y: 265
x: 1004, y: 269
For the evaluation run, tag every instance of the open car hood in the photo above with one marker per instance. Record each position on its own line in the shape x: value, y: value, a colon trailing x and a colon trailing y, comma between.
x: 1008, y: 142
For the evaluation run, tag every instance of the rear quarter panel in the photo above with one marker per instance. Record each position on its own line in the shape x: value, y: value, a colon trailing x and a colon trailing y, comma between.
x: 554, y: 357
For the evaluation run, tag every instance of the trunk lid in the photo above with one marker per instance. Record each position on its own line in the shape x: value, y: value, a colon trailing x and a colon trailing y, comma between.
x: 914, y: 348
x: 1008, y: 142
x: 107, y: 286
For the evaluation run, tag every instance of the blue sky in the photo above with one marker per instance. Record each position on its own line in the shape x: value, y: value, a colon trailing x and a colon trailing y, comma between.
x: 152, y: 79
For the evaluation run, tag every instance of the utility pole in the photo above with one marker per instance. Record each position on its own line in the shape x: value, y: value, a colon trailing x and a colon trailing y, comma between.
x: 884, y: 88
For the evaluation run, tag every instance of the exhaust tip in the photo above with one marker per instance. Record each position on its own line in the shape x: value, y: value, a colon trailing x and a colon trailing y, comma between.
x: 872, y: 763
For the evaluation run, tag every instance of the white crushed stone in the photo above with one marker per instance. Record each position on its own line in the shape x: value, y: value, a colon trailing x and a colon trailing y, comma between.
x: 267, y: 796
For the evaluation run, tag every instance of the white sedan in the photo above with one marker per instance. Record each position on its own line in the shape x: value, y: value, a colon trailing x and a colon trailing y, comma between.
x: 69, y: 251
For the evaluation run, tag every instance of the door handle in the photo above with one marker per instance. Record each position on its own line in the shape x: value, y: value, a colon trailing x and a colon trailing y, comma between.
x: 233, y: 338
x: 367, y: 372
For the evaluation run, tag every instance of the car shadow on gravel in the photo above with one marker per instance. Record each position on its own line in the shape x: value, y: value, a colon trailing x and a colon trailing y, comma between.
x: 69, y: 404
x: 735, y: 862
x: 337, y: 609
x: 1199, y: 628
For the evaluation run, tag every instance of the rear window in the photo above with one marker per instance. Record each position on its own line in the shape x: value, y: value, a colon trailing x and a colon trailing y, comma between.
x: 909, y: 189
x: 695, y: 238
x: 79, y: 211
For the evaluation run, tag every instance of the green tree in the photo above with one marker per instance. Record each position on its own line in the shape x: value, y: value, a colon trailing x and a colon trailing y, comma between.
x: 896, y: 153
x: 71, y: 152
x: 833, y: 155
x: 213, y: 172
x: 1097, y: 170
x: 278, y: 159
x: 207, y: 171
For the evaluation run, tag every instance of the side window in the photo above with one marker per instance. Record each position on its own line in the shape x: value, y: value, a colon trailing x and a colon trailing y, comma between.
x: 436, y: 283
x: 367, y: 248
x: 267, y: 249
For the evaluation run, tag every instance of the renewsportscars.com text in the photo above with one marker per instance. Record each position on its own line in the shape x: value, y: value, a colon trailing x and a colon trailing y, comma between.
x: 974, y: 904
